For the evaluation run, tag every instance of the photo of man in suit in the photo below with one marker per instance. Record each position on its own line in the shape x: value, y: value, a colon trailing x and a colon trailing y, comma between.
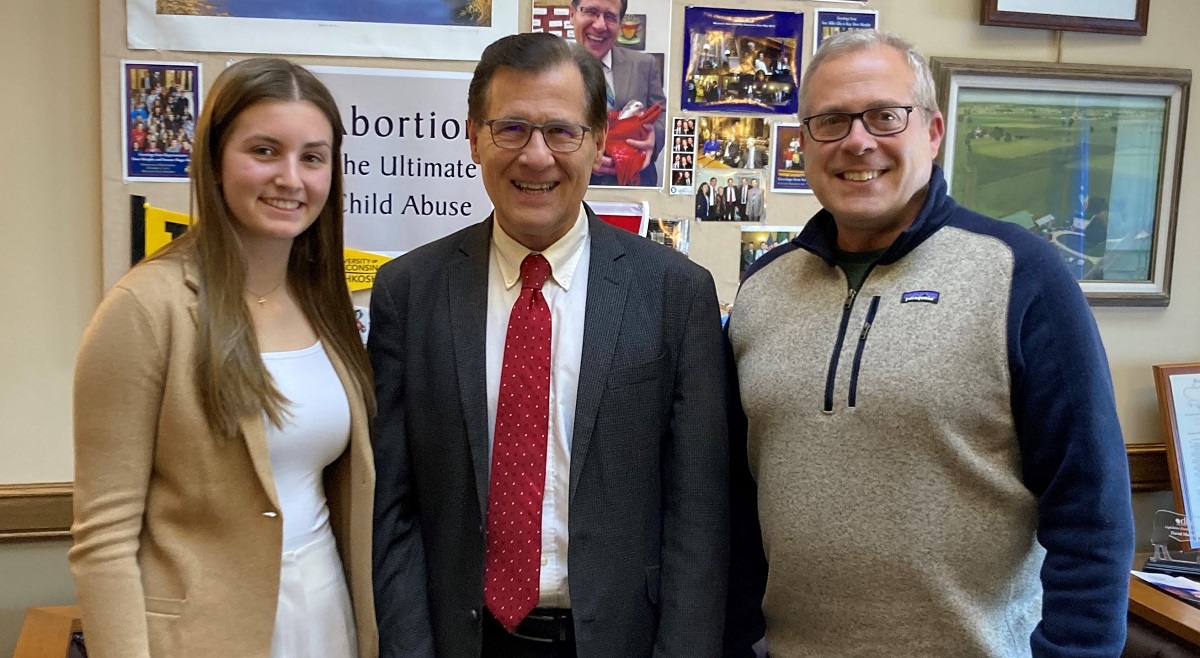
x: 551, y: 444
x: 731, y: 200
x: 743, y: 197
x: 629, y: 75
x: 755, y: 156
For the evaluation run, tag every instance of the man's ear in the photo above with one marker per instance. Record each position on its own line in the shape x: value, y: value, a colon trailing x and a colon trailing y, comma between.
x: 473, y: 138
x: 601, y: 135
x: 937, y: 131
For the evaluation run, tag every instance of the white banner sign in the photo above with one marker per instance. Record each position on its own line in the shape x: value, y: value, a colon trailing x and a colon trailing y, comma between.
x: 406, y: 160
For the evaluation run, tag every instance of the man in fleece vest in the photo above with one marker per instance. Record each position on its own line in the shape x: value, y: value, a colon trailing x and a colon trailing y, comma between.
x: 928, y: 461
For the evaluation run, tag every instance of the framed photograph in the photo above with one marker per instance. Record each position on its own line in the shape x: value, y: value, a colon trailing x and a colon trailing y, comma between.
x: 673, y: 232
x: 787, y: 160
x: 636, y: 45
x: 1111, y: 16
x: 828, y: 22
x: 1088, y: 157
x: 730, y: 195
x: 159, y: 105
x: 741, y: 61
x: 758, y: 240
x: 1178, y: 387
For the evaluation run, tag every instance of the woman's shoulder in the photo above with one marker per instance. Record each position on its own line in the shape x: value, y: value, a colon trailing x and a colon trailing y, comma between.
x: 169, y: 279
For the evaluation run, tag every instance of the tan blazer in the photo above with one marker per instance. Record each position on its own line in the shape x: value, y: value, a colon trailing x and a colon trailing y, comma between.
x: 178, y: 534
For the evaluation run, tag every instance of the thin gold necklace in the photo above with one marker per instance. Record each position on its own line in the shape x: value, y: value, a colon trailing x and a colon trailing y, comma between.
x: 262, y: 299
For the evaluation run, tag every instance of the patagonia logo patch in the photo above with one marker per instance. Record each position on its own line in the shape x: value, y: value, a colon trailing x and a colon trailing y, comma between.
x: 927, y: 296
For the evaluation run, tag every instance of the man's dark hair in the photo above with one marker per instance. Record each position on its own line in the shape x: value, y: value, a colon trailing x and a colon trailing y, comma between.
x: 537, y: 52
x: 624, y: 6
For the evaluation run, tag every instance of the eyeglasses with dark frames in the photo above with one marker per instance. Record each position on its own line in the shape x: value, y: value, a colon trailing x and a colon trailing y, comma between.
x: 592, y: 14
x: 560, y: 136
x: 879, y: 121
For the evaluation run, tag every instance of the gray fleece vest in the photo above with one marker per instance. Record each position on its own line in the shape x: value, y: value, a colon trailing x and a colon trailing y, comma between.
x: 880, y: 434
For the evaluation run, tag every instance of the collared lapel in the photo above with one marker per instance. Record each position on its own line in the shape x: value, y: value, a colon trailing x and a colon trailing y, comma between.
x: 623, y: 79
x: 467, y: 283
x: 252, y: 427
x: 254, y: 432
x: 608, y: 286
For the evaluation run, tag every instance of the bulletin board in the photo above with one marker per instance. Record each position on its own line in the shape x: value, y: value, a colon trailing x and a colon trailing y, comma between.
x: 715, y: 245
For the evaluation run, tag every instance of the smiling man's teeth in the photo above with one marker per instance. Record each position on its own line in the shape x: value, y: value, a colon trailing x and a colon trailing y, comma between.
x: 282, y: 204
x: 860, y: 175
x: 530, y: 187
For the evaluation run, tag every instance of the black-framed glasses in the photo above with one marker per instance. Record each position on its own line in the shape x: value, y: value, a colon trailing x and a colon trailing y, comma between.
x: 879, y: 121
x: 560, y: 136
x: 592, y: 14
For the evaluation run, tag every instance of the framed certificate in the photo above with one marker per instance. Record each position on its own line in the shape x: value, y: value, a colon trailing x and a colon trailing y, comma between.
x: 1110, y: 16
x: 1178, y: 387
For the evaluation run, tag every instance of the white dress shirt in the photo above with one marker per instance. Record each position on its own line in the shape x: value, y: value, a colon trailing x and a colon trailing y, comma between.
x: 566, y: 295
x: 608, y: 75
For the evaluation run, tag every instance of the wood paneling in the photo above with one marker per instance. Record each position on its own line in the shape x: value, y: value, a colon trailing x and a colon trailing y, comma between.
x: 43, y: 511
x: 35, y: 511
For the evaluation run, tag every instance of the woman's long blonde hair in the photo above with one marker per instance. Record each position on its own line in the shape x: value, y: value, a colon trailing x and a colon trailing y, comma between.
x: 230, y: 373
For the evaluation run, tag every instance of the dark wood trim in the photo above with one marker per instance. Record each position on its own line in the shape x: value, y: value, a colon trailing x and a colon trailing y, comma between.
x: 35, y: 511
x: 991, y: 15
x: 1148, y: 467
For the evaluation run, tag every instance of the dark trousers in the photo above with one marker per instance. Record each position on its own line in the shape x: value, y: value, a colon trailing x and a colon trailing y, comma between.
x: 538, y: 636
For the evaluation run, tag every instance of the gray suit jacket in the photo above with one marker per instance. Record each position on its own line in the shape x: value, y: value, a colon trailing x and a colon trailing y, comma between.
x: 636, y: 76
x: 649, y: 457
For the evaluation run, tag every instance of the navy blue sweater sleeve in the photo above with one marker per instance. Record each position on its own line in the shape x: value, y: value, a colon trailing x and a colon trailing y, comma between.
x: 1073, y: 457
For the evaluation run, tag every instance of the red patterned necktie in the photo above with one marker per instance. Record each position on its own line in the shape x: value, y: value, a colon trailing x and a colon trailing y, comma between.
x: 518, y: 483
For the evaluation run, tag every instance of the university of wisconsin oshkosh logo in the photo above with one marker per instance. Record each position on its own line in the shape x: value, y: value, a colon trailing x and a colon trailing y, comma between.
x: 927, y: 296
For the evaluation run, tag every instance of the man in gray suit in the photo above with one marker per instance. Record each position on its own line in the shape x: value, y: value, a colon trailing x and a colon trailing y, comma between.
x: 551, y: 443
x: 629, y: 74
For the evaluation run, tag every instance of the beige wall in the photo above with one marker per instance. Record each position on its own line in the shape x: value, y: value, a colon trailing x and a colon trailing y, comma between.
x: 51, y: 55
x: 49, y: 228
x: 49, y: 264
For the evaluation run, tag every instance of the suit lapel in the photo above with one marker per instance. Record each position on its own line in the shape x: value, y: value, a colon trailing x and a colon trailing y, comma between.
x: 467, y: 283
x: 608, y: 285
x: 622, y: 79
x: 254, y: 432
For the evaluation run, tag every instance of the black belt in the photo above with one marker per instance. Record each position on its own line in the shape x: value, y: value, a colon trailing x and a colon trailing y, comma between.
x: 547, y: 625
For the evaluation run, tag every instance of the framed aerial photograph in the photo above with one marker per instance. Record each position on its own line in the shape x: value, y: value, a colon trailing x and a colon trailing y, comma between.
x: 1088, y: 157
x: 1109, y: 16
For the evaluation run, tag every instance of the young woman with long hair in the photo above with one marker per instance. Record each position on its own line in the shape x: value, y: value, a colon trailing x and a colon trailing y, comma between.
x: 223, y: 474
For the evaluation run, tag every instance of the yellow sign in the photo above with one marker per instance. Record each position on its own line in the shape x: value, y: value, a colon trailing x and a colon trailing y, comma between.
x: 162, y: 226
x: 361, y: 267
